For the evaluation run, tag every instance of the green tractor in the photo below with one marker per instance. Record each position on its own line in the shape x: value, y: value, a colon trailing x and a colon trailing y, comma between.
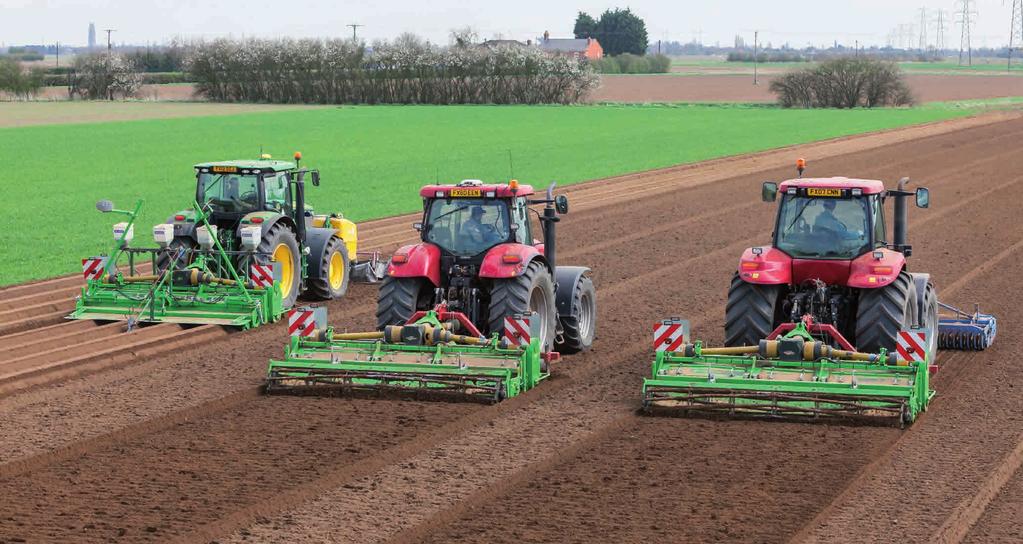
x: 241, y: 256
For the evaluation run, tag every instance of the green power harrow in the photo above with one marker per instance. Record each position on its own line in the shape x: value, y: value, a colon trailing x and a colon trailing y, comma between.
x: 793, y: 376
x: 187, y: 286
x: 427, y: 356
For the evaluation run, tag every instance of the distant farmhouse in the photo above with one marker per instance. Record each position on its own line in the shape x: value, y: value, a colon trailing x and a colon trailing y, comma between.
x: 584, y: 48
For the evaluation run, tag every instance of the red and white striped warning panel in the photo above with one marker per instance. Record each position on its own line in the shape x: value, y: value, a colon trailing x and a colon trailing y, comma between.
x: 912, y: 344
x: 93, y: 267
x: 262, y: 275
x: 516, y: 330
x: 303, y: 321
x: 670, y: 334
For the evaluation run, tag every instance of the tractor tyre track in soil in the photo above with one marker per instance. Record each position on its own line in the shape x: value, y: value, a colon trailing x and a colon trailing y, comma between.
x: 153, y: 452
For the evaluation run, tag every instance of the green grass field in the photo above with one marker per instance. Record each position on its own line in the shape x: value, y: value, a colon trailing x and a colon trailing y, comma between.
x: 373, y: 159
x: 981, y: 66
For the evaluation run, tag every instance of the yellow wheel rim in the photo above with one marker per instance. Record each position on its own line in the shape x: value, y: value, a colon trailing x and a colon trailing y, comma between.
x: 282, y: 254
x: 336, y: 272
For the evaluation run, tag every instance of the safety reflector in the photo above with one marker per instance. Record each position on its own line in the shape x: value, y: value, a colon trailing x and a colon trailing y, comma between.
x: 262, y: 275
x: 670, y: 334
x: 93, y: 267
x: 912, y: 344
x: 305, y: 320
x: 518, y: 329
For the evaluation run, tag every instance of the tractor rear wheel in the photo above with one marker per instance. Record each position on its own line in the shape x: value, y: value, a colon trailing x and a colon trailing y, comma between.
x: 750, y: 312
x: 399, y: 298
x: 531, y: 291
x: 279, y: 245
x: 163, y: 259
x: 581, y: 323
x: 885, y: 311
x: 333, y: 271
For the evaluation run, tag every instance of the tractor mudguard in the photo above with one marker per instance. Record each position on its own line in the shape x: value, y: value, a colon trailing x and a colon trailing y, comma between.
x: 866, y: 272
x: 565, y: 278
x: 771, y: 267
x: 508, y: 260
x: 316, y: 240
x: 184, y: 229
x: 416, y: 261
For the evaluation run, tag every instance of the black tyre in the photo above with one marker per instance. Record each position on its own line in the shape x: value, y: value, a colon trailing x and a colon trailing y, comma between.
x: 334, y: 268
x: 399, y: 298
x: 532, y: 291
x: 929, y: 320
x: 164, y: 258
x: 750, y: 314
x: 280, y: 245
x: 883, y: 312
x: 579, y: 327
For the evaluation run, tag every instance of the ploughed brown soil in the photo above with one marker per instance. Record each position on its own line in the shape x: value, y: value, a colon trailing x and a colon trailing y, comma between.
x: 740, y: 88
x: 179, y: 444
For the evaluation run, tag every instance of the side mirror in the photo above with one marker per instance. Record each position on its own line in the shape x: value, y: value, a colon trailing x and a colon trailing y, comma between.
x: 561, y: 203
x: 104, y: 206
x: 418, y: 226
x: 923, y: 197
x: 316, y: 178
x: 769, y: 191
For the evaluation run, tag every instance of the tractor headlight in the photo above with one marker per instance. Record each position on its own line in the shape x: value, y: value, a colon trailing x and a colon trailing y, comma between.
x: 163, y: 234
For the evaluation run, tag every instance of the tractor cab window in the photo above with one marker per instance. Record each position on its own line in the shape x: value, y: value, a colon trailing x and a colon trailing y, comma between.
x: 234, y: 193
x: 467, y: 226
x: 520, y: 217
x: 824, y: 228
x: 278, y: 198
x: 880, y: 236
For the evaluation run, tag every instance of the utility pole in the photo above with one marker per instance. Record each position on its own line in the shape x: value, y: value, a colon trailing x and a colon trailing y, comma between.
x: 355, y: 27
x: 109, y: 31
x: 756, y: 34
x: 939, y: 31
x: 965, y: 16
x: 1015, y: 29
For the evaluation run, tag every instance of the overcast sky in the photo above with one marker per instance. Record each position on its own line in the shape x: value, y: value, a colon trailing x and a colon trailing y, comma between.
x: 780, y: 21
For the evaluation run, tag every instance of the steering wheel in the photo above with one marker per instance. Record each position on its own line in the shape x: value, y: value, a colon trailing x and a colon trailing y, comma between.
x: 248, y: 196
x: 802, y: 226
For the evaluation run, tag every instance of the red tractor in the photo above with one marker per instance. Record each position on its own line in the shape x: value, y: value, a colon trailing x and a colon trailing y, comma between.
x: 478, y: 257
x: 831, y: 260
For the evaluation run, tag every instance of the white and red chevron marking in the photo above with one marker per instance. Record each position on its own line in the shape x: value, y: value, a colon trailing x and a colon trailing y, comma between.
x: 262, y: 275
x: 669, y: 334
x: 93, y: 267
x: 912, y: 345
x: 516, y: 330
x: 301, y: 322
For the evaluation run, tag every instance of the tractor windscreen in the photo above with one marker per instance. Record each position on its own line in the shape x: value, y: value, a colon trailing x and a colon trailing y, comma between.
x: 467, y: 226
x: 823, y: 228
x: 233, y: 193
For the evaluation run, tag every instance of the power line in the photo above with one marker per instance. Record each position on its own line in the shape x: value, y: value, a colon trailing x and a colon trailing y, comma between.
x: 966, y: 14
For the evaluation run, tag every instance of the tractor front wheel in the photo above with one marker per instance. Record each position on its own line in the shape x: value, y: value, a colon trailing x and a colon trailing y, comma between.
x: 279, y: 245
x: 399, y: 298
x: 531, y: 291
x: 334, y: 265
x: 750, y: 312
x: 885, y: 311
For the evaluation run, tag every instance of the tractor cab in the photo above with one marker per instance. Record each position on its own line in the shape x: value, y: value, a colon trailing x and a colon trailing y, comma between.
x: 230, y: 190
x: 467, y: 219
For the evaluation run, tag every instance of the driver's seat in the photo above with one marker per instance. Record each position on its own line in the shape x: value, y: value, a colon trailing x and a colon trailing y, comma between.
x: 440, y: 236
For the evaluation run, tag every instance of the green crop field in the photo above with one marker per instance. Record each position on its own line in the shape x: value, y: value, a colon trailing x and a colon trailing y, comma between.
x: 373, y: 159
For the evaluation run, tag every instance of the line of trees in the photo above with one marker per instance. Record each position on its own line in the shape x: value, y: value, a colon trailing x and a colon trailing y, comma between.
x: 408, y: 70
x: 844, y: 83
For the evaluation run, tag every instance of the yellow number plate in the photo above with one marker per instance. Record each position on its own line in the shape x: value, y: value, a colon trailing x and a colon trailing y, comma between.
x: 466, y: 192
x: 833, y: 193
x: 225, y: 169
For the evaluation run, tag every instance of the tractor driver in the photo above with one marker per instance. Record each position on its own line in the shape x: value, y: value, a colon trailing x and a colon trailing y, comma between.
x: 474, y: 229
x: 826, y: 220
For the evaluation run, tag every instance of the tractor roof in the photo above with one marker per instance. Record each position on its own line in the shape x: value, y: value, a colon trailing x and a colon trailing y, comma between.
x: 266, y: 165
x: 869, y: 186
x: 475, y: 188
